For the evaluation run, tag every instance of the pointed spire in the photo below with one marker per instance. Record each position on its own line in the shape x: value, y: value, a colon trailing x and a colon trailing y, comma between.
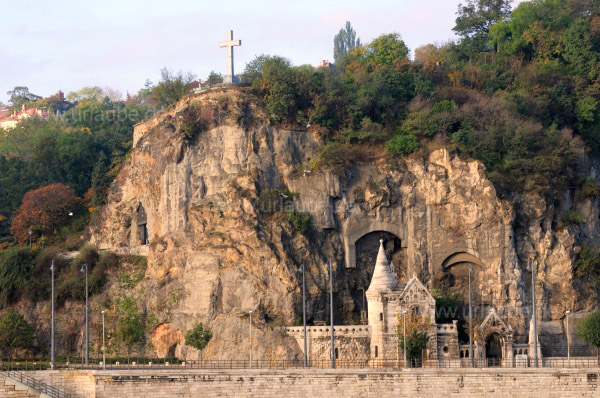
x: 382, y: 279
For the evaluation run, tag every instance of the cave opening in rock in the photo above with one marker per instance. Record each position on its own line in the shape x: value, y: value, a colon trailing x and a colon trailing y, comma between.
x: 452, y: 289
x: 359, y: 278
x: 142, y: 226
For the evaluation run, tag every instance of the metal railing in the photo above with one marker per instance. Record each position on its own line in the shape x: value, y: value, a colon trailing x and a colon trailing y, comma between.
x: 36, y: 384
x: 174, y: 364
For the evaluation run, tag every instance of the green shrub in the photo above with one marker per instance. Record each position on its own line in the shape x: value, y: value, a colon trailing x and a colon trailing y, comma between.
x: 588, y: 263
x: 402, y: 145
x: 270, y: 201
x: 337, y: 156
x: 15, y: 332
x: 300, y: 221
x: 572, y: 218
x: 16, y: 273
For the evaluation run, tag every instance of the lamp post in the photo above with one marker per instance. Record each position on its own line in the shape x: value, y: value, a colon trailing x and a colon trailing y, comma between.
x: 304, y: 315
x: 404, y: 333
x: 250, y: 312
x: 53, y: 325
x: 568, y: 344
x: 331, y: 314
x: 84, y: 268
x: 535, y: 339
x: 471, y: 353
x: 30, y: 233
x: 103, y: 343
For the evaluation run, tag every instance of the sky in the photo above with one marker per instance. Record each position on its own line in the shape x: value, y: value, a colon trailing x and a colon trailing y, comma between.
x: 70, y: 44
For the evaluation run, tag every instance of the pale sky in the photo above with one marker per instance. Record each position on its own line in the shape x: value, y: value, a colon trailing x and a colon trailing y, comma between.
x: 69, y: 44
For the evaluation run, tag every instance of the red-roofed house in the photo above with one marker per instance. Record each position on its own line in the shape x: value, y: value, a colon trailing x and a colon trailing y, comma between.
x: 11, y: 121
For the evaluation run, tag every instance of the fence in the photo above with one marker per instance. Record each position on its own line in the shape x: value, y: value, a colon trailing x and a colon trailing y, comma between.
x: 174, y: 364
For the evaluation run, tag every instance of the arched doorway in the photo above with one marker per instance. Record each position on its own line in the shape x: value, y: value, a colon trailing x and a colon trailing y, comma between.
x: 493, y: 349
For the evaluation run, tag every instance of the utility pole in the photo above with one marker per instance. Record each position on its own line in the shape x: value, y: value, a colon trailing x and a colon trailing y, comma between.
x: 103, y: 343
x: 331, y: 315
x: 304, y: 315
x: 251, y: 338
x: 535, y: 339
x: 568, y: 344
x: 84, y: 268
x: 404, y: 327
x: 53, y: 325
x: 471, y: 353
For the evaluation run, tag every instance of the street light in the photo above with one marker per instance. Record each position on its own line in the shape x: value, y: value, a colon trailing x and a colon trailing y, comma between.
x: 30, y: 233
x: 84, y: 268
x: 534, y: 314
x: 251, y: 337
x: 304, y: 315
x: 53, y: 325
x: 568, y: 345
x: 471, y: 353
x: 331, y: 314
x: 404, y: 332
x: 103, y: 343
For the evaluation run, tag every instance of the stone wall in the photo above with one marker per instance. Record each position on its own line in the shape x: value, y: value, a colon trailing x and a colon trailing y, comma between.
x: 576, y: 383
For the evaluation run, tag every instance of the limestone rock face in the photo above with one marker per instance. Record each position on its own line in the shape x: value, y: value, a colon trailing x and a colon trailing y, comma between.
x: 165, y: 339
x: 214, y: 246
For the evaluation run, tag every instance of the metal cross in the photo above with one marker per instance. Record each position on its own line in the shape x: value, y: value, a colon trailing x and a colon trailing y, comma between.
x: 230, y: 43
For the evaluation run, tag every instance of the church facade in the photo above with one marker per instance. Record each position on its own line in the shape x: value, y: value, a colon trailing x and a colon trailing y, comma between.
x: 393, y: 307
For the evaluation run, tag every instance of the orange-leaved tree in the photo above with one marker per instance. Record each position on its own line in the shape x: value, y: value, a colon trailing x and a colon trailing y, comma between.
x: 43, y: 211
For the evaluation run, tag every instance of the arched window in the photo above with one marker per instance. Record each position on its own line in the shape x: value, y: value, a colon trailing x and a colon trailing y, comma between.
x: 462, y: 354
x: 376, y: 351
x: 381, y: 316
x: 336, y: 353
x: 467, y: 353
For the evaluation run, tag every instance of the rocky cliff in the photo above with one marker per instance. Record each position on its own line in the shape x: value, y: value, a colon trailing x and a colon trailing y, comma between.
x: 222, y: 192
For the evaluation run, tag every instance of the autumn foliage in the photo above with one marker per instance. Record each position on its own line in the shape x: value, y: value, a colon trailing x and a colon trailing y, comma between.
x: 44, y: 210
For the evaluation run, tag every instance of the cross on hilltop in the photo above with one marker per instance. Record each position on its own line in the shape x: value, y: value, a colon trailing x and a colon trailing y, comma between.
x: 230, y: 43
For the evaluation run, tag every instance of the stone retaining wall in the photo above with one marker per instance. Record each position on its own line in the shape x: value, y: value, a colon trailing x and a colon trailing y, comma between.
x: 345, y: 383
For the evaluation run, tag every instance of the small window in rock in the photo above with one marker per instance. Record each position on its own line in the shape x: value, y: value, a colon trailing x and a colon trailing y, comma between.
x: 381, y: 316
x: 376, y: 352
x: 336, y: 353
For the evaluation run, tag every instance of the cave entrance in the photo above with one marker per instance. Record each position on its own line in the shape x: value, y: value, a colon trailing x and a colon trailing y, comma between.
x: 493, y: 349
x: 359, y: 278
x: 452, y: 282
x: 142, y: 226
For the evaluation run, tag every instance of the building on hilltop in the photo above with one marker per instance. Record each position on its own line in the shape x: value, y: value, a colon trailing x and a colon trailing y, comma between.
x: 11, y: 121
x: 325, y: 64
x: 390, y: 305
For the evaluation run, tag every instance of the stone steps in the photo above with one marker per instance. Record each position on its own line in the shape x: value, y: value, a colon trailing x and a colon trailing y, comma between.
x: 13, y: 389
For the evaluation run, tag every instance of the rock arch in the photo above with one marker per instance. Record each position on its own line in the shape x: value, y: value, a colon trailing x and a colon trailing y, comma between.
x: 459, y: 258
x: 355, y: 229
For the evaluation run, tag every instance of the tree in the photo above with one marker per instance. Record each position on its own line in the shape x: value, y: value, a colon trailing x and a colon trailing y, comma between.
x: 90, y: 93
x: 100, y: 180
x: 172, y: 87
x: 198, y: 337
x: 43, y: 211
x: 16, y: 274
x: 130, y: 329
x: 387, y: 49
x: 416, y: 334
x: 344, y: 42
x: 15, y: 332
x: 475, y: 19
x: 21, y: 95
x: 589, y: 331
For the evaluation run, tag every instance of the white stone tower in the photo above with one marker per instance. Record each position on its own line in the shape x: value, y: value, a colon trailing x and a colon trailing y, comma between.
x: 382, y: 282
